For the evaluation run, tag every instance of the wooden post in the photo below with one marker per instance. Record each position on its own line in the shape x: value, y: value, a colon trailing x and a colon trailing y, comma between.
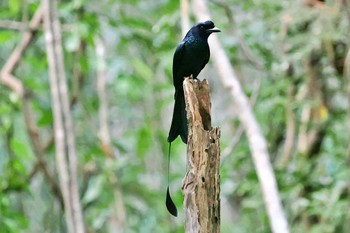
x: 201, y: 186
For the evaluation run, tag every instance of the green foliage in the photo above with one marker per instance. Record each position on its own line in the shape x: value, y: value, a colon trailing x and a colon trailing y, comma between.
x: 271, y: 42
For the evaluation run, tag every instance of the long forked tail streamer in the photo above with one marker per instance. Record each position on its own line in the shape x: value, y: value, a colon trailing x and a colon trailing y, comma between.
x: 169, y: 201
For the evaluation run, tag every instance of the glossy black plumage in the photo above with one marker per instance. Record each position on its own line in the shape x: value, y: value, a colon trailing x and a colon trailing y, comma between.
x: 190, y: 57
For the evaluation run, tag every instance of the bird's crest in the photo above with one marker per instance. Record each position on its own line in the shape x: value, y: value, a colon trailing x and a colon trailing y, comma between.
x: 205, y: 25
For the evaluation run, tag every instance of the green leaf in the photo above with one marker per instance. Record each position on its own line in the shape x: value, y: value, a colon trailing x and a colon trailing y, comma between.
x: 14, y: 6
x: 142, y: 69
x: 94, y: 190
x: 144, y: 140
x: 19, y: 148
x: 6, y: 36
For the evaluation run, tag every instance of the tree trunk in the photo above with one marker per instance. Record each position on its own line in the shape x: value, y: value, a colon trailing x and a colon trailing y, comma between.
x: 201, y: 185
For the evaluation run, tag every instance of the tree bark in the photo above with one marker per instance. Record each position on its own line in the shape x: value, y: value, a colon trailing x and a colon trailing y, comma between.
x: 201, y: 185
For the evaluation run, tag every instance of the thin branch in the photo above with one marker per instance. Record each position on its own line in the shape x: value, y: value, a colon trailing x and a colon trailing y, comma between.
x: 6, y: 72
x: 38, y: 148
x: 309, y: 137
x: 185, y: 17
x: 118, y: 216
x: 34, y: 170
x: 103, y: 131
x: 13, y: 83
x: 15, y: 57
x: 25, y: 27
x: 290, y: 130
x: 14, y: 25
x: 78, y: 75
x: 64, y: 132
x: 236, y: 138
x: 257, y: 142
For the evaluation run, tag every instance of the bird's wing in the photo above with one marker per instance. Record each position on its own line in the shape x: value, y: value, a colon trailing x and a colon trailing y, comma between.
x: 177, y: 63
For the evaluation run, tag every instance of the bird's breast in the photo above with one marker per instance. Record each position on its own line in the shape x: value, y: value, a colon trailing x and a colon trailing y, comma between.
x: 189, y: 59
x: 196, y: 51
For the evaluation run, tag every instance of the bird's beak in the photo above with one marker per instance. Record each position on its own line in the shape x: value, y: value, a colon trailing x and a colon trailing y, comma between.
x: 214, y: 30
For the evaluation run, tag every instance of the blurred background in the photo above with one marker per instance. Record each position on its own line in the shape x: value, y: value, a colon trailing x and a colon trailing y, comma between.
x: 290, y: 57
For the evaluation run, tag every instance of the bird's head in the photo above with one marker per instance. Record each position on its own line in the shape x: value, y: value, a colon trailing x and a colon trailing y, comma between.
x: 204, y: 29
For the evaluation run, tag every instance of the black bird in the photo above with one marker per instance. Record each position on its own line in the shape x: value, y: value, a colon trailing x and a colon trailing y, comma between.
x: 190, y: 57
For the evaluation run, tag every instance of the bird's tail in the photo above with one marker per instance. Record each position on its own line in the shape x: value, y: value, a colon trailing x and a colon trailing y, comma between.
x: 179, y: 121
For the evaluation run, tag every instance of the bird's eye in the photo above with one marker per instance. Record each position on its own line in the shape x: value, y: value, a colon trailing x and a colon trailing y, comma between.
x: 202, y: 27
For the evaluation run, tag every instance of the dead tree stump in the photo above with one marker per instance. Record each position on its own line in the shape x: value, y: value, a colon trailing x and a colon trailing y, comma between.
x: 201, y: 185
